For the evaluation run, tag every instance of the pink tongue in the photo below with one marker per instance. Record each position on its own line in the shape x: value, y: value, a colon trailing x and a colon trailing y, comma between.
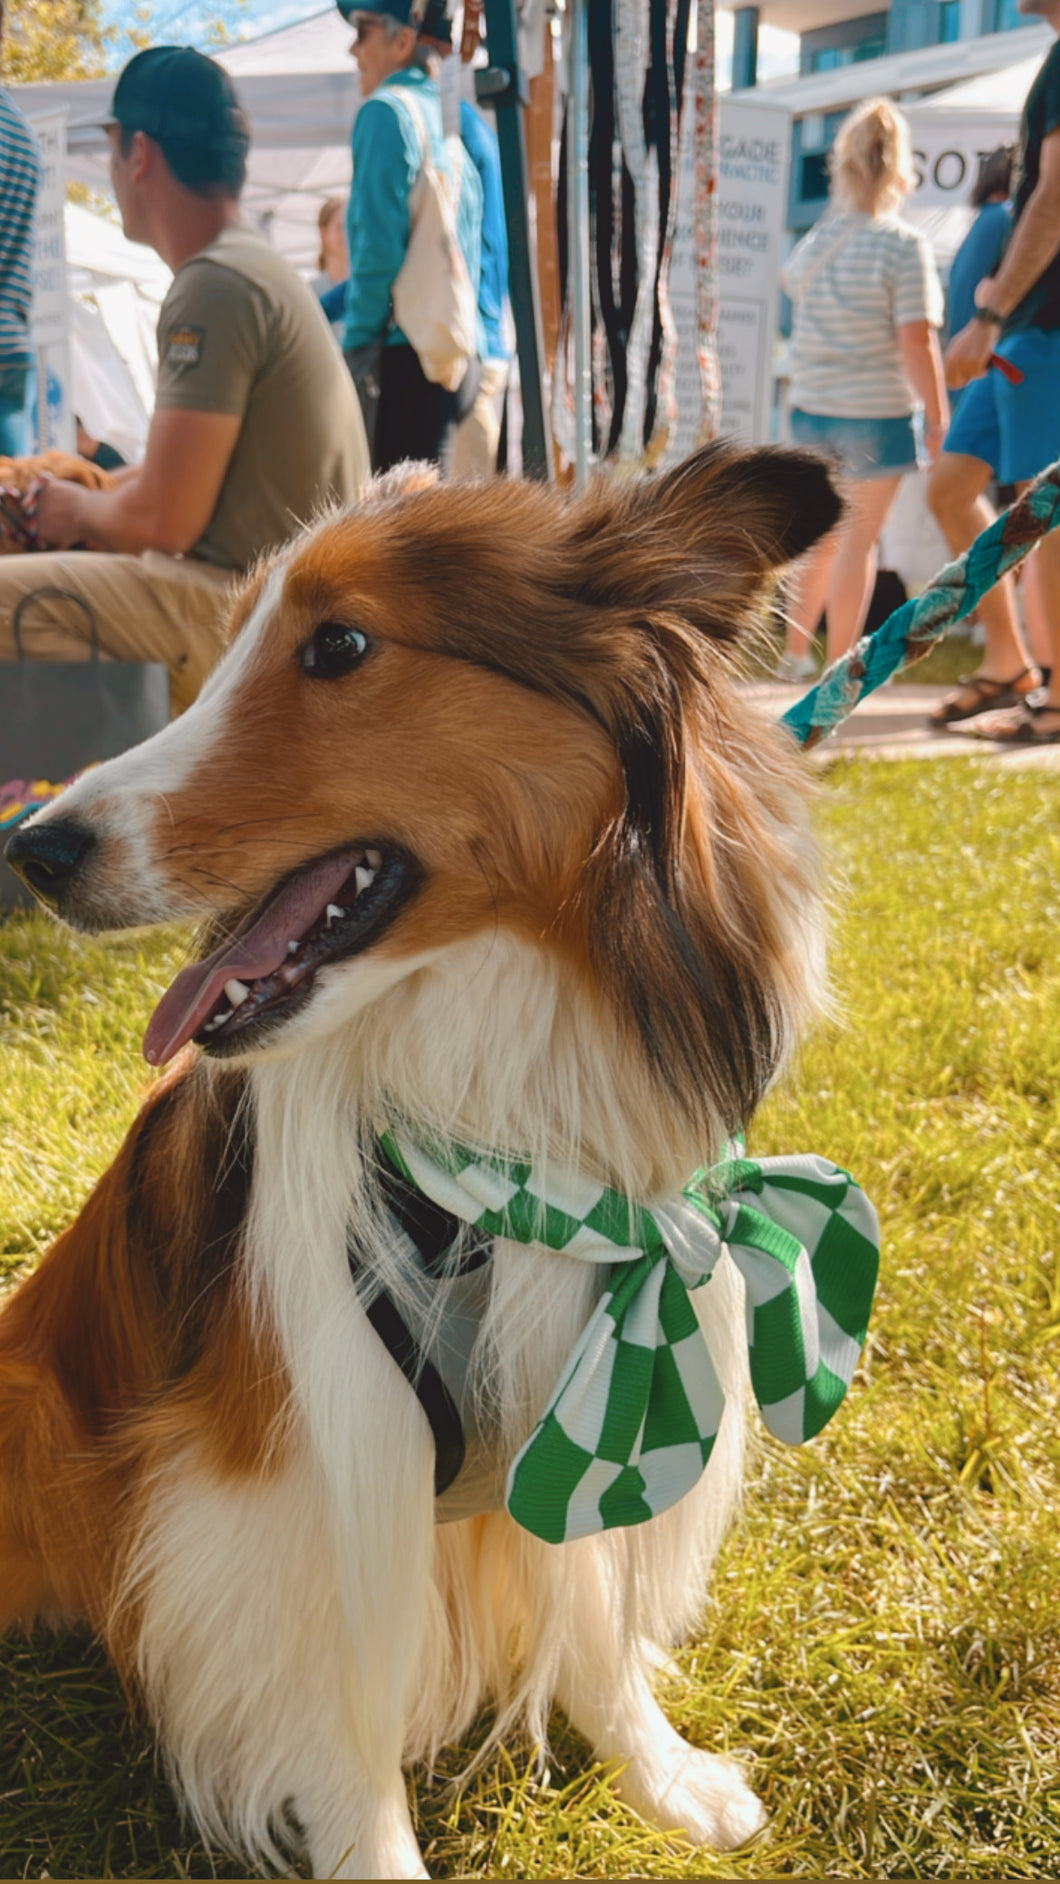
x: 260, y: 950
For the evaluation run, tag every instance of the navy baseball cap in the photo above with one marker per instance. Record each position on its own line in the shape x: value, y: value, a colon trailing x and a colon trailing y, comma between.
x: 176, y: 95
x: 406, y: 12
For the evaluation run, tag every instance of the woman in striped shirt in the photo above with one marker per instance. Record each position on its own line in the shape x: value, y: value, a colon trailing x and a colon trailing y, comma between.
x: 864, y: 353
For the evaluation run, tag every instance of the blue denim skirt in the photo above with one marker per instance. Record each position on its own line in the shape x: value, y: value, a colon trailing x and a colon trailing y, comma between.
x: 864, y: 448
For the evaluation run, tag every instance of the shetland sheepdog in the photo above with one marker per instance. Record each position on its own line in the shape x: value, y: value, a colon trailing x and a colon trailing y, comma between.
x: 483, y: 839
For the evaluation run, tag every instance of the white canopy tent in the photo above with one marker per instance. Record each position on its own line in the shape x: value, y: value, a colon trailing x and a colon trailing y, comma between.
x: 116, y: 288
x: 993, y: 94
x: 300, y: 89
x: 287, y: 183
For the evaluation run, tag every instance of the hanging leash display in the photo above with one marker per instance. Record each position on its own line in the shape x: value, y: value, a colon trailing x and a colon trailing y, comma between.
x: 663, y: 93
x: 637, y: 59
x: 631, y: 60
x: 609, y: 281
x: 910, y: 633
x: 704, y: 105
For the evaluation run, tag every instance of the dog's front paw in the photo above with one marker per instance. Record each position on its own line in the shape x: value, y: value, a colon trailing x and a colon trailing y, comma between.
x: 697, y: 1793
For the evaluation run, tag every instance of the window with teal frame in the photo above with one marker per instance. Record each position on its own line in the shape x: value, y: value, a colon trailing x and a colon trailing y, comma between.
x: 830, y: 58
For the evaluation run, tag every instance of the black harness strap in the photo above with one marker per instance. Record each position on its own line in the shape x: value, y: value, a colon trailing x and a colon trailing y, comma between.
x: 428, y: 1386
x: 425, y: 1223
x: 433, y: 1231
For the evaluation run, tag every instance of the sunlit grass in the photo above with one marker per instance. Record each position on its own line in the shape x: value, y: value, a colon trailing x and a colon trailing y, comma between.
x: 884, y: 1641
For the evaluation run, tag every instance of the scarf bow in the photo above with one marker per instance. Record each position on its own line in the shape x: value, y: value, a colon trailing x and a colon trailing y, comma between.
x: 634, y: 1416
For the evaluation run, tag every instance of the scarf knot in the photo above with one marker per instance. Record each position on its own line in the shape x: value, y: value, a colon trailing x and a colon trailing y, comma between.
x: 634, y: 1416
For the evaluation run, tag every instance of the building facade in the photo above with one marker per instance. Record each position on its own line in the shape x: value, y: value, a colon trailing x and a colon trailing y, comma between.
x: 907, y: 50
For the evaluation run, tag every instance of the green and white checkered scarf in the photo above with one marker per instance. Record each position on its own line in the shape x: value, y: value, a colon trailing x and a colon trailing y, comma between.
x: 635, y: 1414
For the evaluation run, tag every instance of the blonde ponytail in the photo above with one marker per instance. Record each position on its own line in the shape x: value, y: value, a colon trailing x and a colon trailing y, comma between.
x: 871, y: 162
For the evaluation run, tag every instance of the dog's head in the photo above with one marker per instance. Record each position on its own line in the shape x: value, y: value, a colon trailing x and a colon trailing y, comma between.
x: 458, y: 712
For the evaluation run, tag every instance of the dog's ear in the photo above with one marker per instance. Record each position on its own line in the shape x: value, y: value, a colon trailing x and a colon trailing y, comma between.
x: 769, y: 504
x: 685, y: 926
x: 679, y: 561
x: 700, y: 541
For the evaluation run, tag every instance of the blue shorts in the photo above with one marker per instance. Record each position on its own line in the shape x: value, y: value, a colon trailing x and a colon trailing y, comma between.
x: 1013, y: 429
x: 865, y: 448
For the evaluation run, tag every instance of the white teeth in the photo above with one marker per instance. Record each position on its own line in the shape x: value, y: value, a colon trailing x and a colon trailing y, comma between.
x: 236, y: 991
x: 363, y: 878
x: 333, y: 912
x: 212, y: 1025
x: 374, y: 859
x: 292, y: 948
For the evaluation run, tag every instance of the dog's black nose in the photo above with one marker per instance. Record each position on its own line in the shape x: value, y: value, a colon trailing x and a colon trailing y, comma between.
x: 48, y: 857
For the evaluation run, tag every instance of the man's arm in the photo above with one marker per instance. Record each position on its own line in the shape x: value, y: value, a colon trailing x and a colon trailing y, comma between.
x: 1035, y: 241
x: 164, y: 504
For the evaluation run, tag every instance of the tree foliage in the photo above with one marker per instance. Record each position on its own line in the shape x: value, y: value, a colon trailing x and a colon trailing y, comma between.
x: 75, y: 39
x: 54, y: 39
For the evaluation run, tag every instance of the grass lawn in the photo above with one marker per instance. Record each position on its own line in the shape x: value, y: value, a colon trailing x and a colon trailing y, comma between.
x: 884, y: 1642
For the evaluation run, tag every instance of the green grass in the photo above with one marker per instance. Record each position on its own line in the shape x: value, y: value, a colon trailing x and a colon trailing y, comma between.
x: 883, y: 1645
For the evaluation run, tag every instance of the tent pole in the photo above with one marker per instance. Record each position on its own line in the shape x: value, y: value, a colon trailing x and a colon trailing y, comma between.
x: 578, y: 236
x: 503, y: 87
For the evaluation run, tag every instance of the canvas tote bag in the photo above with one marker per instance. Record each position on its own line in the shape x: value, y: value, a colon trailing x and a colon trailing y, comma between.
x: 56, y: 717
x: 433, y: 301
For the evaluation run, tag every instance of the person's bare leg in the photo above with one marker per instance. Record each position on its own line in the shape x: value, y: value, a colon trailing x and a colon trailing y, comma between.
x: 1040, y: 722
x: 955, y: 498
x: 1045, y: 562
x: 806, y: 597
x: 854, y: 565
x: 1035, y: 605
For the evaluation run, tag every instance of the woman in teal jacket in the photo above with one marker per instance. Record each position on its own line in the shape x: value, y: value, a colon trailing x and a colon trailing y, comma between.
x: 414, y: 417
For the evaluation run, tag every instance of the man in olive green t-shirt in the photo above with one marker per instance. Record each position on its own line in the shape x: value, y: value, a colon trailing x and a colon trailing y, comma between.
x: 256, y: 424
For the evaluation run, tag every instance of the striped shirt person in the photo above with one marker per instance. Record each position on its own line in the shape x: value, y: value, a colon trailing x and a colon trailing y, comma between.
x: 20, y: 179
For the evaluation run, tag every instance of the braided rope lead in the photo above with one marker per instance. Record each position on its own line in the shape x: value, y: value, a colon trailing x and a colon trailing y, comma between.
x: 908, y: 634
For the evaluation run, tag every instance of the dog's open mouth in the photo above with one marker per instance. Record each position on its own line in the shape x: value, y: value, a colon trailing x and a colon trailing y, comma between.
x: 329, y: 909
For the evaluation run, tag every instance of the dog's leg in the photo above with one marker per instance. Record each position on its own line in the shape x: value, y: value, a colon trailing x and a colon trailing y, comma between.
x: 251, y: 1678
x: 605, y: 1691
x: 648, y: 1585
x: 39, y: 1509
x: 384, y: 1843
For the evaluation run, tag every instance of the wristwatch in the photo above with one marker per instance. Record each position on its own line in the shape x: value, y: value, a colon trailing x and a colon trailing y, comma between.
x: 989, y: 315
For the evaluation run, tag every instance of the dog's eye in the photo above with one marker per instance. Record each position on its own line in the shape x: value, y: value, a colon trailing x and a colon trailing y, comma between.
x: 334, y: 650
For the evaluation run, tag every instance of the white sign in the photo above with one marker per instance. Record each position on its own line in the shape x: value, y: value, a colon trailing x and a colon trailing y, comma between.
x: 50, y: 316
x: 752, y: 183
x: 947, y: 147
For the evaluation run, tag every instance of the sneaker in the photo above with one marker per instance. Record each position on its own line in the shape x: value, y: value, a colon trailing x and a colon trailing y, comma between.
x: 795, y: 667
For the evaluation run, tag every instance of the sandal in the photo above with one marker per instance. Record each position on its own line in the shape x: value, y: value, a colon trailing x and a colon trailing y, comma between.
x: 1021, y: 728
x: 987, y: 696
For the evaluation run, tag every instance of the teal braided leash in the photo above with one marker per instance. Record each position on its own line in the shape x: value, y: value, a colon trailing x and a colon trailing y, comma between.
x: 908, y: 634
